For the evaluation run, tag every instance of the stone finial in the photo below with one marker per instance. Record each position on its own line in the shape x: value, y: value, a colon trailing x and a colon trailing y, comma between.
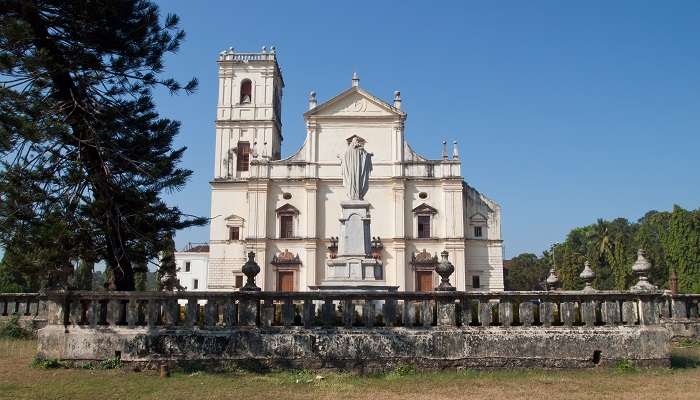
x: 455, y: 151
x: 444, y: 150
x: 264, y: 49
x: 444, y: 268
x: 641, y: 268
x: 587, y: 275
x: 552, y: 280
x: 230, y: 50
x: 250, y: 269
x: 312, y: 100
x: 397, y: 100
x: 355, y: 80
x: 273, y: 50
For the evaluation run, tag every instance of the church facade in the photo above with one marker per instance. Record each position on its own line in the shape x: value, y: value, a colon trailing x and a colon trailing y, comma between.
x: 288, y: 211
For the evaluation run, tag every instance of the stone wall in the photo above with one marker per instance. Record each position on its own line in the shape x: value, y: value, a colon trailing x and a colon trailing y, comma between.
x: 359, y: 330
x: 366, y: 350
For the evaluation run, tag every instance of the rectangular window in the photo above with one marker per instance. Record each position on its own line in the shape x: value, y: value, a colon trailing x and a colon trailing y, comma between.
x: 423, y: 226
x: 243, y: 156
x: 187, y: 266
x: 195, y: 284
x: 286, y: 226
x: 475, y: 282
x: 477, y: 231
x: 234, y: 233
x: 239, y: 282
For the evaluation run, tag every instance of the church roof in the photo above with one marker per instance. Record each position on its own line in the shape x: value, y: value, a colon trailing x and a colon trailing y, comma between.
x: 349, y: 92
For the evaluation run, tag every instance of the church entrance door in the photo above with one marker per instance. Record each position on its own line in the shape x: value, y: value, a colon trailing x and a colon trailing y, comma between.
x: 424, y: 281
x: 285, y: 281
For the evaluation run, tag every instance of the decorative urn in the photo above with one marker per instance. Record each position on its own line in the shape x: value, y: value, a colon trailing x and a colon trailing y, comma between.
x: 641, y: 268
x: 444, y: 268
x: 250, y: 269
x: 552, y: 280
x: 587, y: 275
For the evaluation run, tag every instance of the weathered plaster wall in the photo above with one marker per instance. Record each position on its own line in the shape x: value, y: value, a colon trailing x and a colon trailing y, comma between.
x: 367, y: 349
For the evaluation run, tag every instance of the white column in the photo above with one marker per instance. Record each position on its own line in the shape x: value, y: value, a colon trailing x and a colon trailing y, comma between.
x: 397, y: 142
x: 458, y: 260
x: 257, y: 207
x: 309, y: 278
x: 217, y: 154
x: 399, y: 248
x: 311, y: 188
x: 399, y: 190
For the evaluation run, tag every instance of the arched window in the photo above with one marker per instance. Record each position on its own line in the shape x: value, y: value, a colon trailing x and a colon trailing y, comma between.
x: 246, y: 91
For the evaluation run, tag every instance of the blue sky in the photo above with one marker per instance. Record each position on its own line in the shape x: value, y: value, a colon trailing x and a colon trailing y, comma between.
x: 564, y: 112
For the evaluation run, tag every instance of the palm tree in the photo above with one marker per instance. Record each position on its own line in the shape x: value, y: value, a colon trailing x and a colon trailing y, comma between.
x: 600, y: 236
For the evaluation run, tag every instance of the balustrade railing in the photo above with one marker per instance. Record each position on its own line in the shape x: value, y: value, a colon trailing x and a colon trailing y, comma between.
x: 349, y: 310
x: 680, y: 307
x: 248, y: 56
x: 22, y: 304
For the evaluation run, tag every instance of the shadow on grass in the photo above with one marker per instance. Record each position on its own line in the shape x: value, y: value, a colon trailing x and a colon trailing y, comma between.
x: 684, y: 362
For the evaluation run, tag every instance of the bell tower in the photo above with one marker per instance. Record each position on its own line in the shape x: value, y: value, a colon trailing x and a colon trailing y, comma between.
x: 249, y: 111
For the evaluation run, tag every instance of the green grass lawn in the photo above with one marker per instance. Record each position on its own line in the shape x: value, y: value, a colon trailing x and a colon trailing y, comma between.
x: 18, y: 380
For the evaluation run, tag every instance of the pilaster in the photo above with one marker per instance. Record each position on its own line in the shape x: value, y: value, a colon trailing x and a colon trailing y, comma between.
x: 257, y: 208
x: 399, y: 254
x: 453, y: 206
x: 399, y: 199
x: 309, y: 276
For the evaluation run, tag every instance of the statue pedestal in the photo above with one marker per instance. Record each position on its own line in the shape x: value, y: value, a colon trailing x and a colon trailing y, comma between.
x: 354, y: 268
x: 354, y: 239
x: 357, y: 269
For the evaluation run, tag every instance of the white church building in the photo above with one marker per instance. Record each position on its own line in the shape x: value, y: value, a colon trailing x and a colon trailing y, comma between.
x: 292, y: 212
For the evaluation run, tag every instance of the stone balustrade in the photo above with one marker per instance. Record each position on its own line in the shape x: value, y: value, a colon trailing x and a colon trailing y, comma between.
x: 350, y: 309
x: 22, y: 304
x: 230, y: 56
x: 29, y: 307
x: 679, y: 313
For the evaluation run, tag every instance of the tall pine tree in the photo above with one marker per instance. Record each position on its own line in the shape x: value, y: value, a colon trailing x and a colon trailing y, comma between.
x: 82, y: 144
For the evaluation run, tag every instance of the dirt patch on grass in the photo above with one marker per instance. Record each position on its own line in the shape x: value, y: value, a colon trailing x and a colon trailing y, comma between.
x: 19, y: 381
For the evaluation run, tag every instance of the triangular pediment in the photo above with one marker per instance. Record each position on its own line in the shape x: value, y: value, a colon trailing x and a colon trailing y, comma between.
x: 287, y: 209
x: 234, y: 220
x: 354, y: 102
x: 424, y: 209
x: 478, y: 219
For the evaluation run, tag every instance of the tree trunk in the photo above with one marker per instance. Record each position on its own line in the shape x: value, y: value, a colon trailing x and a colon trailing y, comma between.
x: 69, y: 93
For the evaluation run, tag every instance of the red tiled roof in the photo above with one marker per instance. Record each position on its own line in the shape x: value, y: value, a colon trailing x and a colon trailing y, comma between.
x: 202, y: 248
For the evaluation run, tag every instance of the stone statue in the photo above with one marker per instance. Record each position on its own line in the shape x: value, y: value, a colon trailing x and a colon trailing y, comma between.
x: 356, y: 164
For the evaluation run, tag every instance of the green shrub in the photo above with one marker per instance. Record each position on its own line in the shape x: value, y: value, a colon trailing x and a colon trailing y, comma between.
x: 43, y: 363
x: 625, y: 366
x: 302, y: 376
x: 111, y: 363
x: 687, y: 342
x: 404, y: 370
x: 13, y: 330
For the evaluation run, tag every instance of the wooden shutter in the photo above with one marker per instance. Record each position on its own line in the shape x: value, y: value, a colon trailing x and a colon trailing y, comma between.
x: 243, y: 155
x: 423, y: 226
x: 424, y: 281
x: 285, y: 281
x: 286, y: 226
